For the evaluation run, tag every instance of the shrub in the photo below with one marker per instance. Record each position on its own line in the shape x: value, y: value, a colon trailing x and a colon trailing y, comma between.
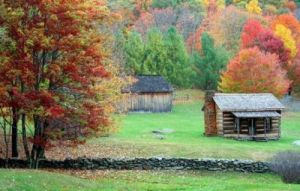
x: 287, y: 165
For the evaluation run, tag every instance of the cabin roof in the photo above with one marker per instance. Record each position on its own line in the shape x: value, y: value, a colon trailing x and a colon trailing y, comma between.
x: 247, y: 102
x: 149, y: 84
x: 256, y: 114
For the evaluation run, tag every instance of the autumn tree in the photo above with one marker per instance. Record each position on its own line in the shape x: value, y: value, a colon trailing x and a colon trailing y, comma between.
x: 164, y: 18
x: 144, y: 23
x: 193, y: 42
x: 295, y: 72
x: 253, y: 7
x: 250, y: 33
x: 52, y: 72
x: 290, y: 22
x: 142, y: 5
x: 227, y: 26
x: 254, y: 34
x: 209, y: 63
x: 293, y: 69
x: 285, y: 35
x: 253, y: 71
x: 291, y: 5
x: 188, y: 19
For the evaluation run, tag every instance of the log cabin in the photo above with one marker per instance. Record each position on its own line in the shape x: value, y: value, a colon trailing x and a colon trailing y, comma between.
x: 243, y: 116
x: 150, y: 93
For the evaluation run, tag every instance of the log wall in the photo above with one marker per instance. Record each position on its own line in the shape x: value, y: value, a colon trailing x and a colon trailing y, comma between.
x: 219, y: 117
x: 226, y: 123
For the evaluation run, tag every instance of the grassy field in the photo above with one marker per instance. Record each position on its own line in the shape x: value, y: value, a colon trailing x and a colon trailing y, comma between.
x: 185, y: 139
x: 135, y: 137
x: 20, y: 180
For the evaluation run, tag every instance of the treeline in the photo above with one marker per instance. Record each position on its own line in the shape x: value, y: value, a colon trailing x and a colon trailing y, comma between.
x: 190, y: 42
x: 166, y: 54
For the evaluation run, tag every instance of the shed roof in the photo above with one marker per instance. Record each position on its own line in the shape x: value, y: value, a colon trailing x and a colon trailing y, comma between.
x: 149, y: 84
x: 247, y: 102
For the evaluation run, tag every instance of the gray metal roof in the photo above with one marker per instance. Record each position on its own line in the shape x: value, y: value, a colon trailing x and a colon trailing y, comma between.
x: 247, y: 102
x: 256, y: 114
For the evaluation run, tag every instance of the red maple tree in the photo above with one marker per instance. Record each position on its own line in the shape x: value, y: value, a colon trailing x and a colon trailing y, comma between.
x: 52, y: 70
x: 254, y: 34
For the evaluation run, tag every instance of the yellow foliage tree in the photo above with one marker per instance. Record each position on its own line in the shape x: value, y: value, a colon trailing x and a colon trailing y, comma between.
x: 285, y: 34
x: 253, y: 7
x: 220, y: 3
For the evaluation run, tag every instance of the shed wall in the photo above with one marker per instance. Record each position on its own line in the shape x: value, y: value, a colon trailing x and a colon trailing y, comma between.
x: 148, y: 102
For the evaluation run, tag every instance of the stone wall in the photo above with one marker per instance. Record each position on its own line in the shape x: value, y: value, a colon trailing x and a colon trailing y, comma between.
x: 146, y: 164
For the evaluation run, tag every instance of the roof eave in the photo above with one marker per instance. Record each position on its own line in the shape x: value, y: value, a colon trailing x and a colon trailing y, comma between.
x: 251, y: 110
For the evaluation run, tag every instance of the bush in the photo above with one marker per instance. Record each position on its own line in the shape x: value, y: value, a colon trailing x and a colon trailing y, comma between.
x: 287, y: 165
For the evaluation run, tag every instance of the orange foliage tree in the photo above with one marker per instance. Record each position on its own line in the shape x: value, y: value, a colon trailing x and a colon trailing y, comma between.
x: 51, y: 74
x: 290, y: 22
x: 253, y: 71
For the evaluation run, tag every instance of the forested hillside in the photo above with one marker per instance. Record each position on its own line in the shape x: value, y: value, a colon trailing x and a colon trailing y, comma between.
x: 210, y: 44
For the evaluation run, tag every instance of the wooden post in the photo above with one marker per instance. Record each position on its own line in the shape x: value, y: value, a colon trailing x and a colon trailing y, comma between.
x: 265, y: 127
x: 238, y: 127
x: 252, y: 127
x: 279, y: 127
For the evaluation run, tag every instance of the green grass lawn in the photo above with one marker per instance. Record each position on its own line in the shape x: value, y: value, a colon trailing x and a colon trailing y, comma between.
x: 135, y: 137
x: 21, y: 180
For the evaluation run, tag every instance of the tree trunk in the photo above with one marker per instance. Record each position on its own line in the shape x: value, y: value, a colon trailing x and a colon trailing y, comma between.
x: 38, y: 149
x: 14, y: 135
x: 6, y: 141
x: 24, y: 137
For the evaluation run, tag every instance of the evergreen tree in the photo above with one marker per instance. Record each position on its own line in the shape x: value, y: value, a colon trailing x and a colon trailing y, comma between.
x: 160, y: 54
x: 134, y: 53
x: 155, y: 54
x: 209, y: 63
x: 177, y: 66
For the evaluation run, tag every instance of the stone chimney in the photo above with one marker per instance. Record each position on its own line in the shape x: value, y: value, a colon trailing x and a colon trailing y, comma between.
x: 210, y: 114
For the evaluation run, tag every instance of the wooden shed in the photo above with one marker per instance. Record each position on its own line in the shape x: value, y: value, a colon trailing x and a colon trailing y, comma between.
x: 149, y: 93
x: 243, y: 116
